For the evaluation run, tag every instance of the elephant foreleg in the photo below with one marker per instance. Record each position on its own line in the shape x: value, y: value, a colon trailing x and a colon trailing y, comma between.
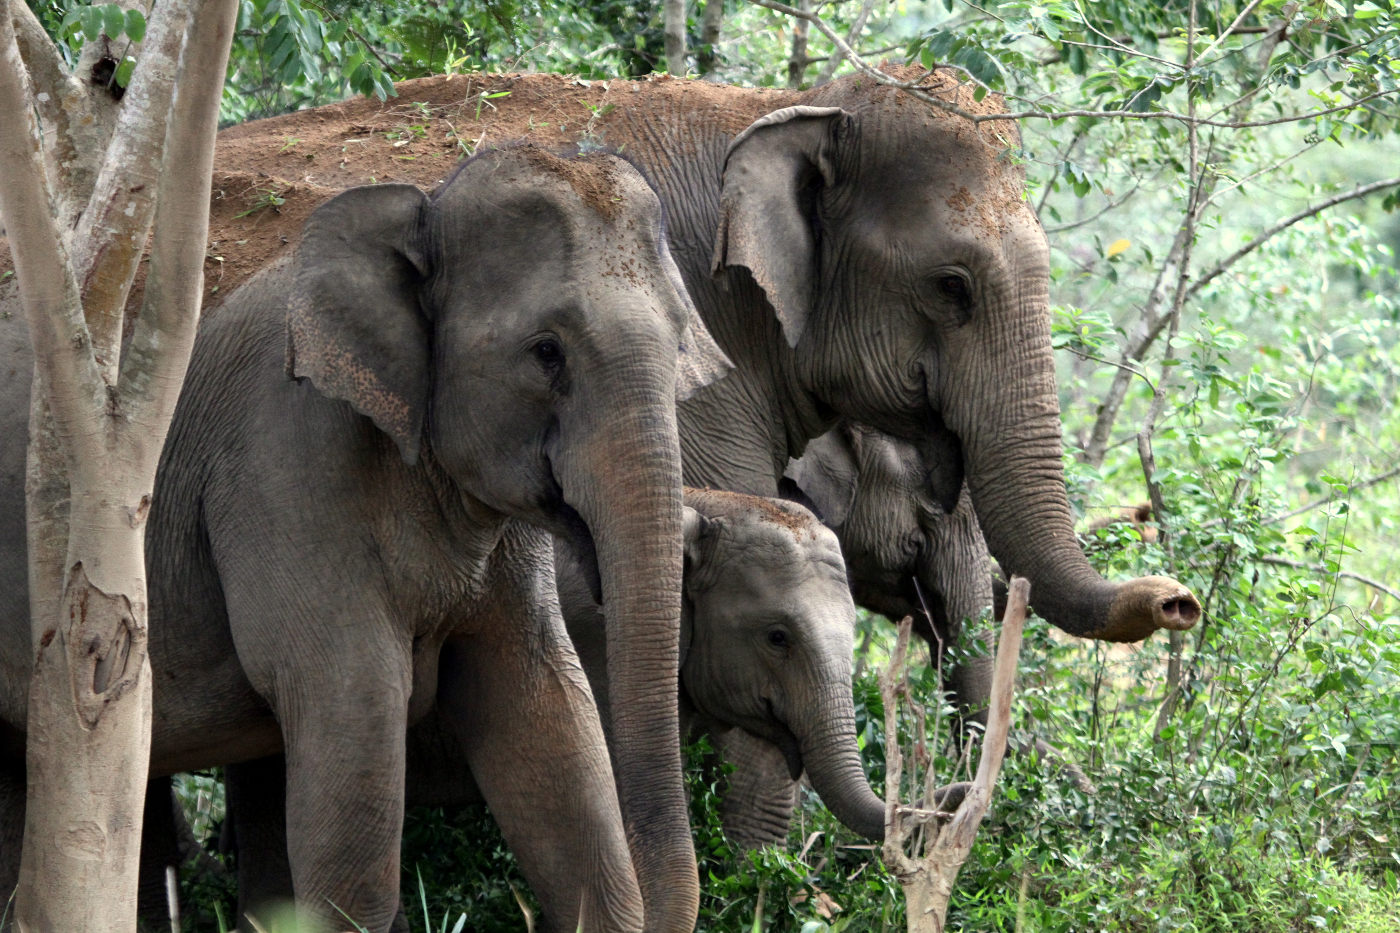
x: 532, y: 738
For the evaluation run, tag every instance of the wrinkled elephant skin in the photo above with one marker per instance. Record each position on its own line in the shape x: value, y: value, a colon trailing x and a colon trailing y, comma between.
x: 766, y: 646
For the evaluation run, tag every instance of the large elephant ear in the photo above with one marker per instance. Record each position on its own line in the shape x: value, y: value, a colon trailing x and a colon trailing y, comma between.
x: 701, y: 361
x: 772, y: 172
x: 354, y: 325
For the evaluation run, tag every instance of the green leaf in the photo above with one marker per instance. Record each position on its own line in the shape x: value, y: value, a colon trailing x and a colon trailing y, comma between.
x: 91, y: 18
x: 113, y: 21
x: 123, y: 76
x: 135, y: 25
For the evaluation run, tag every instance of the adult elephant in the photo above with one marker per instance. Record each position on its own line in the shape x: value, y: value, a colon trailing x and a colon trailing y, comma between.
x: 336, y: 539
x: 766, y: 645
x: 859, y: 254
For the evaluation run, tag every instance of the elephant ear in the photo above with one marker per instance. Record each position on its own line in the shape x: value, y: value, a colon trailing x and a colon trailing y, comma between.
x: 701, y: 361
x: 825, y: 476
x: 772, y: 173
x: 354, y: 324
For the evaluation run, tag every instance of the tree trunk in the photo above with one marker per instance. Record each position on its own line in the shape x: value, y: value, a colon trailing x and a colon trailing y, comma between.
x: 706, y: 55
x: 673, y: 16
x: 797, y: 61
x: 98, y: 422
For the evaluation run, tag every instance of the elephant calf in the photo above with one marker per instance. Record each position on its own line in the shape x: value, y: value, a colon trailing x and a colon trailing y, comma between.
x: 766, y: 646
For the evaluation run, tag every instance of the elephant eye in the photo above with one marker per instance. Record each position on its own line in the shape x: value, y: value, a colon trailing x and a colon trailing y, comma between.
x: 549, y: 353
x: 956, y: 289
x: 778, y: 638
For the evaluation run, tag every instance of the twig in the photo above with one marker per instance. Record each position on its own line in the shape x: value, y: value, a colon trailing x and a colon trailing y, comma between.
x: 327, y: 14
x: 1300, y: 565
x: 1037, y: 114
x: 1112, y: 205
x: 852, y: 35
x: 928, y: 874
x: 1360, y: 191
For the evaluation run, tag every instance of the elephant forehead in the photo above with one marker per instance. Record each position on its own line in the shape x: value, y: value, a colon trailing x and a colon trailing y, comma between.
x: 595, y: 178
x: 765, y: 550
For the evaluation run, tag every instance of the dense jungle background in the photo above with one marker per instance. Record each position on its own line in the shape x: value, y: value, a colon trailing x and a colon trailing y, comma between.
x: 1217, y: 182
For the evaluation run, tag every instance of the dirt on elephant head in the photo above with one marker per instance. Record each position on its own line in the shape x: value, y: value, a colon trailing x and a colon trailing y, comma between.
x: 593, y: 178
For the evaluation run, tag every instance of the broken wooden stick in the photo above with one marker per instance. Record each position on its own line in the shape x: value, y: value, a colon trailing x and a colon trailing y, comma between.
x: 943, y: 841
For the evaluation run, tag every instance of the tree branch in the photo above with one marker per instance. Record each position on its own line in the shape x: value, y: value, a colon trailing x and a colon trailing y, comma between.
x: 48, y: 290
x: 154, y: 365
x: 112, y: 233
x: 1359, y: 191
x: 46, y: 67
x: 1319, y: 568
x: 852, y: 35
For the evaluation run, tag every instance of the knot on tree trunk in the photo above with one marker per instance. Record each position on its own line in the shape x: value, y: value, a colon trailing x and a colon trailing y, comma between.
x: 105, y: 644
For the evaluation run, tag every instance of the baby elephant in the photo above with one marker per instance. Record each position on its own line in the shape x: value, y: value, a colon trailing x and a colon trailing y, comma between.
x: 766, y: 647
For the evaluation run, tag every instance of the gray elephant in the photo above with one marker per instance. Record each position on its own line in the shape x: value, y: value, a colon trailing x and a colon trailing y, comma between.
x: 766, y: 646
x: 338, y: 539
x: 859, y: 254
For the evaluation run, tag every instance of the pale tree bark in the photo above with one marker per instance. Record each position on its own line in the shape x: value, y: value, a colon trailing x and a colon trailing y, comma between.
x: 98, y: 422
x: 707, y: 56
x: 941, y: 842
x: 78, y: 115
x: 797, y: 61
x: 673, y: 26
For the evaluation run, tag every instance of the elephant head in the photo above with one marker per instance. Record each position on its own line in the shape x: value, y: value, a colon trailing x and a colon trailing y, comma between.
x: 904, y: 554
x: 909, y: 277
x: 518, y: 333
x: 770, y: 629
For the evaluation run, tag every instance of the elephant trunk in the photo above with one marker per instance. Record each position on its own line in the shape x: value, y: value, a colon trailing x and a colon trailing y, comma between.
x: 1012, y: 451
x: 626, y: 486
x: 832, y: 760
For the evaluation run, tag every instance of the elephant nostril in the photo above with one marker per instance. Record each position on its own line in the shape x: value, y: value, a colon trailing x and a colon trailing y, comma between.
x: 1181, y: 612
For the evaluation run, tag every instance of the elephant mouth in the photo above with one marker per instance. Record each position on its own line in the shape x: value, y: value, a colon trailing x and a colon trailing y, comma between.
x: 787, y: 742
x: 942, y: 453
x: 566, y: 524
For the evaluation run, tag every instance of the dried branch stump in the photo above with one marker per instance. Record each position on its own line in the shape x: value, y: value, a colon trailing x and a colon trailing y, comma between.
x: 941, y: 841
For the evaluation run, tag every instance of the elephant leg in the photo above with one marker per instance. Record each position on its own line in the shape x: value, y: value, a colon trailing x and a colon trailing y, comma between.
x: 345, y: 796
x: 12, y: 791
x: 760, y: 795
x: 256, y: 795
x: 530, y: 730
